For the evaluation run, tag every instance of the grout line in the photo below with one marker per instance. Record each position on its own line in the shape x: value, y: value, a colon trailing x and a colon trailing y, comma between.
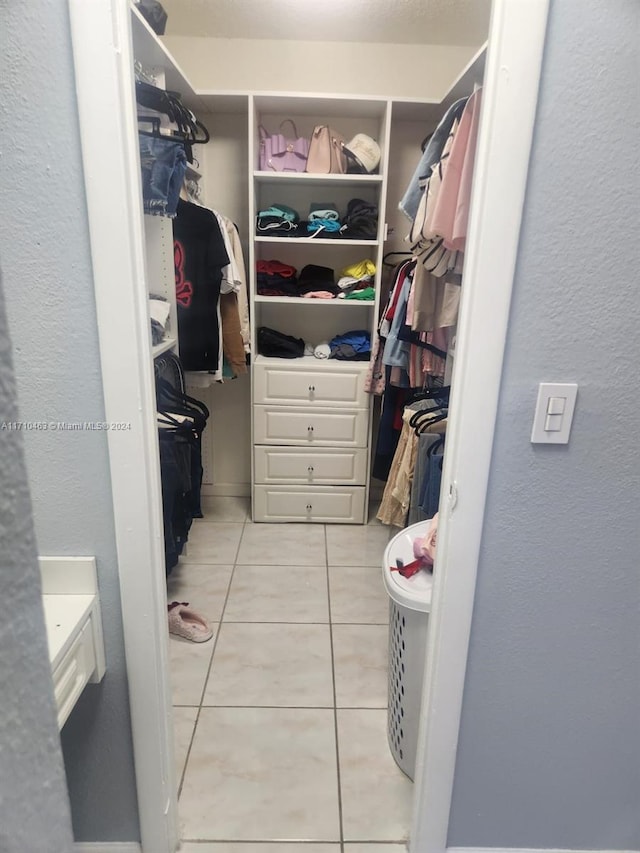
x: 335, y: 698
x: 270, y: 841
x: 293, y: 707
x: 206, y: 680
x: 286, y: 622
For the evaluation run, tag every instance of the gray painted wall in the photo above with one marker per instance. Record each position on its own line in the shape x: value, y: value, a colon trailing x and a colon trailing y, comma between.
x: 34, y: 807
x: 549, y: 752
x: 44, y: 252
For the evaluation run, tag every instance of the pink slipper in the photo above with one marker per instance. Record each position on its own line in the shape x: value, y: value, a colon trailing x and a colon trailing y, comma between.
x: 188, y: 623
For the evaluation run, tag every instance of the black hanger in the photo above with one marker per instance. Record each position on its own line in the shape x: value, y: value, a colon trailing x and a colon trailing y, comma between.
x: 155, y: 132
x: 435, y: 392
x: 426, y: 417
x: 170, y: 402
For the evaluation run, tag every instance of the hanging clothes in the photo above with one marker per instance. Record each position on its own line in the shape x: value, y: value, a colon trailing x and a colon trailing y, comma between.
x: 199, y: 256
x: 450, y: 214
x: 432, y: 154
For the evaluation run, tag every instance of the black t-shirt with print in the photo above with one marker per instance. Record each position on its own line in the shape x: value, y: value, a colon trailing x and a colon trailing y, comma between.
x: 199, y: 257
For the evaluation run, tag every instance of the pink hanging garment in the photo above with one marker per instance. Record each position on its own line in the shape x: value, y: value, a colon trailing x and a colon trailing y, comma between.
x: 445, y: 210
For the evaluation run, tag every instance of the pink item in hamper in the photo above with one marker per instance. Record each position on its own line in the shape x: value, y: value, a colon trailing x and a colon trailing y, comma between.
x: 188, y: 623
x: 424, y: 548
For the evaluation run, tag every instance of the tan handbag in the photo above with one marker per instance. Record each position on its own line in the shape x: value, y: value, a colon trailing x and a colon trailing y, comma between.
x: 326, y: 156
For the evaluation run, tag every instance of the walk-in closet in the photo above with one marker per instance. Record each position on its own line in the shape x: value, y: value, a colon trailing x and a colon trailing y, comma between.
x: 300, y: 393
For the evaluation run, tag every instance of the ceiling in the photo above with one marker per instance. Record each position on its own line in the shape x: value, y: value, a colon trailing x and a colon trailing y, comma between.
x: 451, y: 22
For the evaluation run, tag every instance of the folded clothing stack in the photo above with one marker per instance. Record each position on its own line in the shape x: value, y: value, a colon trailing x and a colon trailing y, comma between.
x: 279, y: 220
x: 356, y: 281
x: 323, y: 219
x: 351, y: 346
x: 276, y: 279
x: 317, y: 282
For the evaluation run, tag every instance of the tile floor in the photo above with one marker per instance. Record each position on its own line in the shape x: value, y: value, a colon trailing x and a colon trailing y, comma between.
x: 280, y: 720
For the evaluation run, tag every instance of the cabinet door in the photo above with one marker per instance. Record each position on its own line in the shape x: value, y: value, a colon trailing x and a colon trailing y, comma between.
x: 332, y: 504
x: 285, y: 425
x: 288, y: 386
x: 322, y: 465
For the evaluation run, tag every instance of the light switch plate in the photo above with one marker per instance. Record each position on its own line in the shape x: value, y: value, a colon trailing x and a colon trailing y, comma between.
x: 546, y: 413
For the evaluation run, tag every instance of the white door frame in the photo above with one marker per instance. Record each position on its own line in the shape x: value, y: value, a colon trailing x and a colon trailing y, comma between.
x: 103, y: 59
x: 103, y: 62
x: 510, y: 95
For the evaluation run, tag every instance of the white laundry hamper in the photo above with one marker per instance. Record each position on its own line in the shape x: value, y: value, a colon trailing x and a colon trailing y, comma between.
x: 409, y: 607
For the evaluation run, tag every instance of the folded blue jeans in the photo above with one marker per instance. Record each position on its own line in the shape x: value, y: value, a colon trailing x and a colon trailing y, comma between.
x: 164, y: 165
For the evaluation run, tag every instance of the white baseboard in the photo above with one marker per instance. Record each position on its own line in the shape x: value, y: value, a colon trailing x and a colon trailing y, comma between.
x: 107, y: 847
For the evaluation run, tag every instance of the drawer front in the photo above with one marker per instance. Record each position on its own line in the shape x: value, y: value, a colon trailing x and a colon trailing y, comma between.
x: 322, y: 465
x: 283, y: 425
x: 332, y: 504
x: 288, y: 386
x: 73, y: 672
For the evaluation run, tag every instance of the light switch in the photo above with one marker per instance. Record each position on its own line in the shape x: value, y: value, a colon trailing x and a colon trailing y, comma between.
x: 553, y: 423
x: 556, y: 405
x: 554, y: 412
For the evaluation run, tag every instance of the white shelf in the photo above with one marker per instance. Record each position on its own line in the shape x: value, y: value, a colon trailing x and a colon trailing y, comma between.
x: 163, y: 346
x: 151, y: 52
x: 310, y: 361
x: 64, y: 616
x: 300, y: 300
x: 318, y: 241
x: 312, y: 177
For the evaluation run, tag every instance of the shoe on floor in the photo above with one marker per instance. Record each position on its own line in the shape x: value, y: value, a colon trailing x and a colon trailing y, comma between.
x: 188, y: 623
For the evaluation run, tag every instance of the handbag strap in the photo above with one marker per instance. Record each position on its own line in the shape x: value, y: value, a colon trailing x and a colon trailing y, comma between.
x: 293, y: 125
x: 262, y: 131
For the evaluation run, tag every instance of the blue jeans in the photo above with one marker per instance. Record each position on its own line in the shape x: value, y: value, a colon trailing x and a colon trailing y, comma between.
x: 164, y: 165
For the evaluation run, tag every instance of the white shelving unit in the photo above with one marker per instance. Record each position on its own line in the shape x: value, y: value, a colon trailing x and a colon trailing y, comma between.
x: 321, y: 406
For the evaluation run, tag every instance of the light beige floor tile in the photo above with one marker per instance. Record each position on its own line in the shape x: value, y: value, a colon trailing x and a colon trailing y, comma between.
x: 258, y: 847
x: 356, y: 545
x: 283, y: 545
x: 271, y: 664
x: 261, y: 774
x: 360, y: 660
x: 357, y: 594
x: 184, y: 719
x: 189, y: 663
x: 374, y: 848
x: 222, y: 508
x: 213, y: 542
x: 203, y: 585
x: 376, y: 795
x: 278, y: 594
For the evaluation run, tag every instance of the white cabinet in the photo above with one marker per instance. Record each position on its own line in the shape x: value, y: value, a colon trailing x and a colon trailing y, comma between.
x: 333, y: 504
x: 316, y: 466
x: 73, y: 623
x: 311, y: 417
x: 339, y: 385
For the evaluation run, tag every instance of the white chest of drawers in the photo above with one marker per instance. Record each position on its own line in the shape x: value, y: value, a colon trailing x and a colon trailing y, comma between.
x: 311, y: 430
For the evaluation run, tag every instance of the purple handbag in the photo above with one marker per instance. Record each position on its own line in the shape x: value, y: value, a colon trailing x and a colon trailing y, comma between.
x: 279, y: 154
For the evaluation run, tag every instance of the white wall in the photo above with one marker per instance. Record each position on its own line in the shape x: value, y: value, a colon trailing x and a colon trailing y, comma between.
x: 381, y: 70
x: 44, y: 252
x: 549, y: 751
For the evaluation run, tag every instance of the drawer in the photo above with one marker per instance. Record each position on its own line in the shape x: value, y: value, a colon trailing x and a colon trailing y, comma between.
x: 322, y: 465
x: 332, y: 504
x: 288, y: 425
x: 73, y: 672
x: 291, y: 386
